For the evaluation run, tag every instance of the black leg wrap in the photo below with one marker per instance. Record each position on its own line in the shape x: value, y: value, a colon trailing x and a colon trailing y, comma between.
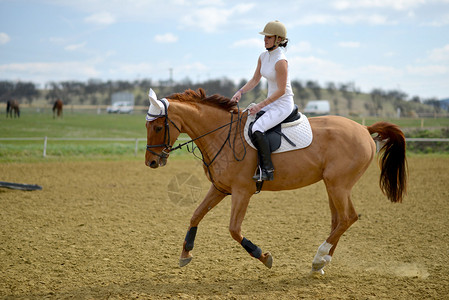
x: 190, y: 238
x: 251, y: 248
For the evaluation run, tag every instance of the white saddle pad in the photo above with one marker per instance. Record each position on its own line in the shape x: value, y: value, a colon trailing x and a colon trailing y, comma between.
x: 299, y: 132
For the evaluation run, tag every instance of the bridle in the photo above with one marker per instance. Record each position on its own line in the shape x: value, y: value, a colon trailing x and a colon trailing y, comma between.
x: 169, y: 148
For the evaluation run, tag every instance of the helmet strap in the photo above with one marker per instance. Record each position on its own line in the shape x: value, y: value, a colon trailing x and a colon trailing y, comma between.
x: 275, y: 44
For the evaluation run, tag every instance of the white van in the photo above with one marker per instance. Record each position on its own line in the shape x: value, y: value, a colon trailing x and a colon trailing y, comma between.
x: 317, y: 107
x: 120, y: 108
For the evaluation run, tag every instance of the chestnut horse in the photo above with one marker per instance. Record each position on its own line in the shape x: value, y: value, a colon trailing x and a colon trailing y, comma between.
x: 339, y: 154
x: 12, y: 105
x: 57, y: 108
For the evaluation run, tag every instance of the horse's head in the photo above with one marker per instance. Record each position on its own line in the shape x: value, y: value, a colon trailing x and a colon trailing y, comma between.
x: 162, y: 132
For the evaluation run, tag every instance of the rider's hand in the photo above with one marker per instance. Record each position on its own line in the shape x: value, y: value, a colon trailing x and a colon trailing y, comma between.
x: 255, y: 109
x: 237, y: 96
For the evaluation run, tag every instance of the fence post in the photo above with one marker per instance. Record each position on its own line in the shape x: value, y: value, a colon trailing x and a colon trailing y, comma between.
x: 45, y: 147
x: 135, y: 149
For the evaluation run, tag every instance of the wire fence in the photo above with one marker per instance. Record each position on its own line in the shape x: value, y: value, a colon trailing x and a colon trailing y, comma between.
x: 136, y: 141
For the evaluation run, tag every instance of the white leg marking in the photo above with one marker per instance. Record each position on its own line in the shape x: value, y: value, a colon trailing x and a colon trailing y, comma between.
x: 322, y: 258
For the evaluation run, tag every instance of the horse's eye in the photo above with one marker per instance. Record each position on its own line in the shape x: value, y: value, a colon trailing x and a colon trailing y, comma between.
x: 158, y: 128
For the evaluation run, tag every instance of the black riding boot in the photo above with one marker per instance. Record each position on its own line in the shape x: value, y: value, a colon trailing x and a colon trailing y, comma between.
x: 263, y: 149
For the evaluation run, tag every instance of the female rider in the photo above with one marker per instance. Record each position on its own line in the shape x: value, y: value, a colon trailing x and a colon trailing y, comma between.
x: 278, y: 105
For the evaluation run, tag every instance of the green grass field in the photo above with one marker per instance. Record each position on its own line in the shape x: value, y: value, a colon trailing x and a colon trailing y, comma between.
x: 97, y: 126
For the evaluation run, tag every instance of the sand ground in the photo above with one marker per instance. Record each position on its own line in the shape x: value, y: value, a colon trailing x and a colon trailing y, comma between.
x: 114, y: 230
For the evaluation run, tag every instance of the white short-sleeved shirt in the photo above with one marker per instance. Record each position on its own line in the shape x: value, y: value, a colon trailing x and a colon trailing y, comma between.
x: 268, y: 61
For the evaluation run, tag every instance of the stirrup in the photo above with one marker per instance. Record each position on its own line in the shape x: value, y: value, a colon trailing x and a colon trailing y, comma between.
x: 263, y: 175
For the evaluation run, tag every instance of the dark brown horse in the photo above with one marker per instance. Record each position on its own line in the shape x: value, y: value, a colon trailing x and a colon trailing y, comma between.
x: 57, y: 108
x: 339, y: 154
x: 12, y: 105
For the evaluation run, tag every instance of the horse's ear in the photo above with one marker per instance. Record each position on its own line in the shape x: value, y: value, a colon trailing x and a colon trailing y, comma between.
x: 202, y: 93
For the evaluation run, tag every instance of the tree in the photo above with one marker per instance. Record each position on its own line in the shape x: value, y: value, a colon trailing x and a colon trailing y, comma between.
x: 54, y: 91
x: 6, y: 90
x: 331, y: 88
x: 315, y: 87
x: 377, y: 97
x: 435, y: 103
x: 416, y: 99
x: 347, y: 94
x: 26, y: 90
x: 300, y: 92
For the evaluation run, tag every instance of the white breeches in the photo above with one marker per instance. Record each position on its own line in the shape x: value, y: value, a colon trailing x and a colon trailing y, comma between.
x: 274, y: 114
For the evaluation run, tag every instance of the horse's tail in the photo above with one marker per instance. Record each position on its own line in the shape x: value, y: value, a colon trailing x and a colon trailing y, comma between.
x: 54, y: 105
x: 8, y: 107
x: 392, y: 160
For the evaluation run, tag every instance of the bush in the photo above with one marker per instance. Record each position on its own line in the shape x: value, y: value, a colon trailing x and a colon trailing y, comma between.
x: 428, y: 147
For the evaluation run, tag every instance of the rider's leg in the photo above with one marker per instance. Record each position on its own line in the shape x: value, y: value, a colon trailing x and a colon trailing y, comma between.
x: 263, y: 148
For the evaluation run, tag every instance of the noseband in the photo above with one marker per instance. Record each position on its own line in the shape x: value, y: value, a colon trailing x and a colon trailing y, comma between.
x: 167, y: 147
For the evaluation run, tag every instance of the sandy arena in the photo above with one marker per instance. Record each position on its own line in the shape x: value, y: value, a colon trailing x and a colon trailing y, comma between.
x: 114, y: 230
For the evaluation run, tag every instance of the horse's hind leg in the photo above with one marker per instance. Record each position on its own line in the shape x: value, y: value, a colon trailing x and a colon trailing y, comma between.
x: 343, y: 216
x: 212, y: 198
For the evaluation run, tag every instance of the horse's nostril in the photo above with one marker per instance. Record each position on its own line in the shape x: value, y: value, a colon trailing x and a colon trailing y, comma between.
x: 154, y: 164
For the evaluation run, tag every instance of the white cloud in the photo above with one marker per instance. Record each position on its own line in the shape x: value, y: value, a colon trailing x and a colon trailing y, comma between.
x: 209, y: 19
x: 4, y: 38
x: 349, y: 44
x: 102, y: 18
x: 440, y: 54
x: 438, y: 21
x: 75, y: 47
x: 300, y: 47
x: 57, y: 40
x: 328, y: 19
x: 372, y: 19
x: 166, y: 38
x: 248, y: 43
x: 369, y: 4
x: 193, y: 67
x: 42, y: 72
x: 315, y: 68
x: 430, y: 70
x: 378, y: 70
x: 210, y: 2
x: 130, y: 69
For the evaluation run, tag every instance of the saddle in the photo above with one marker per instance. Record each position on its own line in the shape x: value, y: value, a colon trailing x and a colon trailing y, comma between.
x: 275, y: 135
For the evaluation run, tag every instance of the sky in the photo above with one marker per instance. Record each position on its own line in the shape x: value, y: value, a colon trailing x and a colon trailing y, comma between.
x: 388, y: 44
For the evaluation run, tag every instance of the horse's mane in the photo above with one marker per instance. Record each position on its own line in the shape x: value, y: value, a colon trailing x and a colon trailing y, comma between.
x: 200, y: 97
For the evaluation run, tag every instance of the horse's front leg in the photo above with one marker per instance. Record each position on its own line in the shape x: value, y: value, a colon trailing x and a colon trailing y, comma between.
x: 240, y: 203
x: 212, y: 198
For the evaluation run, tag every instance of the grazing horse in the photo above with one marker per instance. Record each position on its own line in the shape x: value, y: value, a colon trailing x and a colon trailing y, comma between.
x: 57, y: 107
x: 339, y: 154
x: 12, y: 105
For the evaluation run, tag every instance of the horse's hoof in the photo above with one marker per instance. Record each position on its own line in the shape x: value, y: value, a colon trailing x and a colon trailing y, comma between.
x: 316, y: 273
x: 184, y: 261
x: 318, y: 265
x: 269, y: 261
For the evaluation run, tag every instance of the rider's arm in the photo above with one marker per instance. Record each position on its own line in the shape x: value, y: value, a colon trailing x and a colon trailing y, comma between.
x: 250, y: 84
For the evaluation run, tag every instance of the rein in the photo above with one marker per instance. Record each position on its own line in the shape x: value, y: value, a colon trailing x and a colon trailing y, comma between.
x: 169, y: 148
